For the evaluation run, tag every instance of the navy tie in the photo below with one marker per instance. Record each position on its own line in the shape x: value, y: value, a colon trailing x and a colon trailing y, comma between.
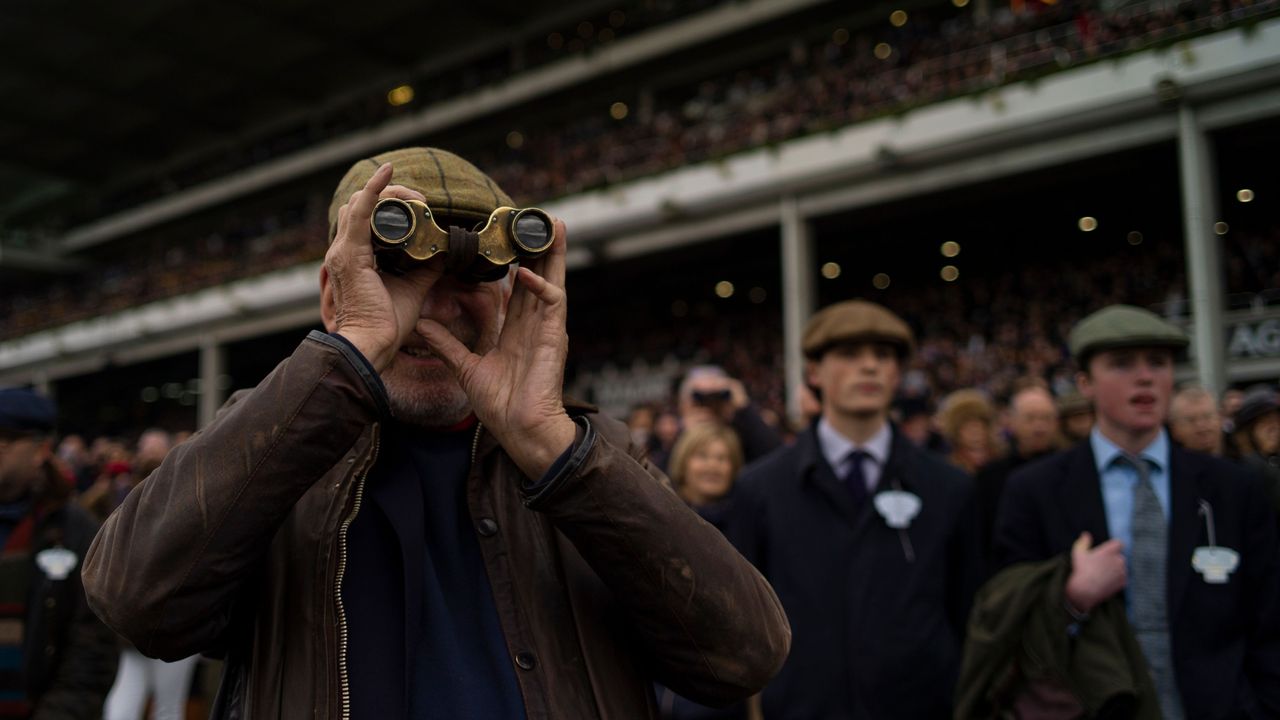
x: 855, y: 480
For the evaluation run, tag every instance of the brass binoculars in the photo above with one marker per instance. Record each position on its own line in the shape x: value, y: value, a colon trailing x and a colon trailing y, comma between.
x: 409, y: 228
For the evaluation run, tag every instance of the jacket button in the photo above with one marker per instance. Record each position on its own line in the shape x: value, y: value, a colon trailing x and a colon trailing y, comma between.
x: 487, y: 527
x: 525, y: 660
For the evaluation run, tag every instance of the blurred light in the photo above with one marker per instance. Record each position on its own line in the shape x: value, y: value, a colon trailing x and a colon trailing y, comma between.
x: 605, y: 35
x: 586, y: 30
x: 950, y: 248
x: 1135, y: 238
x: 959, y: 3
x: 171, y: 390
x: 1244, y: 195
x: 840, y: 36
x: 1221, y: 228
x: 883, y: 51
x: 880, y: 281
x: 617, y: 18
x: 402, y: 95
x: 831, y: 270
x: 618, y: 110
x: 679, y: 308
x: 1087, y: 224
x: 576, y: 45
x: 555, y: 41
x: 187, y: 399
x: 898, y: 18
x: 515, y: 139
x: 950, y: 273
x: 150, y: 394
x: 724, y: 289
x: 758, y: 295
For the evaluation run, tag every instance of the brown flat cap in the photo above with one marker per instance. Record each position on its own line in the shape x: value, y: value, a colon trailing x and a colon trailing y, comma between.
x: 855, y: 321
x: 453, y: 187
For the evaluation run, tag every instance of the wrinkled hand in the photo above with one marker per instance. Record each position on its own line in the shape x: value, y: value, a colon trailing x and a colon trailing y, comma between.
x: 515, y: 389
x: 1096, y: 574
x: 374, y: 311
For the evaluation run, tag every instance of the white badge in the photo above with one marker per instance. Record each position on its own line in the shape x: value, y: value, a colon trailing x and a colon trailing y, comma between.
x: 57, y: 563
x: 897, y: 507
x: 1215, y: 563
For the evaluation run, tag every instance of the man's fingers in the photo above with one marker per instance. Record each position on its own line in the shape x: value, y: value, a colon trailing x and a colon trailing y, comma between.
x: 361, y: 205
x: 402, y: 192
x: 541, y: 288
x: 1082, y: 543
x: 1110, y: 546
x: 443, y: 343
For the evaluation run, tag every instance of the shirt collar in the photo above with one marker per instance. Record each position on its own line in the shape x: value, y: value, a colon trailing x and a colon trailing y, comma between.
x: 836, y: 447
x: 1105, y: 452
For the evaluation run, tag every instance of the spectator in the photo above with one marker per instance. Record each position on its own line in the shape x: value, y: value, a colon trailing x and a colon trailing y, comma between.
x: 1033, y: 425
x: 968, y: 424
x: 405, y: 519
x: 868, y: 540
x: 1178, y: 546
x: 1194, y: 421
x: 1256, y: 440
x: 1076, y: 415
x: 57, y: 659
x: 666, y: 430
x: 708, y: 394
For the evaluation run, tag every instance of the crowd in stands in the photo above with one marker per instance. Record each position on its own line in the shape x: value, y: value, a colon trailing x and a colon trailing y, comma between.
x: 817, y: 87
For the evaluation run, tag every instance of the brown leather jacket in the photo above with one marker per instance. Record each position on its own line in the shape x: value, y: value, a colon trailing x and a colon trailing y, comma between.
x: 603, y: 582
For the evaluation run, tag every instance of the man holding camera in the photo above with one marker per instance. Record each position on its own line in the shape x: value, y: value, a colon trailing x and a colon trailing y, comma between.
x: 870, y: 541
x: 709, y: 394
x: 406, y: 519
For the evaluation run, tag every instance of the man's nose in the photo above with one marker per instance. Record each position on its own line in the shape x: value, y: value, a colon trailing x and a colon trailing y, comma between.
x: 441, y: 302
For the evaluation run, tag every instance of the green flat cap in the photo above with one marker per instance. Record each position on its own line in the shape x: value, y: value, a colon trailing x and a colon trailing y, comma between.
x: 855, y: 321
x: 1122, y: 326
x: 453, y: 187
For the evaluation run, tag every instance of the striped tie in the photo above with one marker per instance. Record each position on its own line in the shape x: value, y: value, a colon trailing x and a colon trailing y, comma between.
x: 1148, y: 591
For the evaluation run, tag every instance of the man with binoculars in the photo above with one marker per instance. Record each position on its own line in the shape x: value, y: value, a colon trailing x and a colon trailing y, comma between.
x: 406, y: 519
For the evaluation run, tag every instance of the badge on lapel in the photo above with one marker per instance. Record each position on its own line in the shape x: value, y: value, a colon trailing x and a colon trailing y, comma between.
x: 1214, y: 563
x: 56, y: 563
x: 897, y: 507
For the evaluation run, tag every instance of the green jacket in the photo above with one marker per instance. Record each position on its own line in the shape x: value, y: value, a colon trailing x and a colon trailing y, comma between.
x: 1025, y: 653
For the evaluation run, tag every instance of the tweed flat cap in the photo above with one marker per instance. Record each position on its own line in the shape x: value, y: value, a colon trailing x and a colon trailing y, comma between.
x: 25, y: 411
x: 453, y: 187
x: 855, y: 320
x: 1122, y: 326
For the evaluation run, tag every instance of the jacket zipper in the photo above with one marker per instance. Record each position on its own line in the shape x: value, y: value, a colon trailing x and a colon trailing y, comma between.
x: 475, y: 442
x: 337, y: 583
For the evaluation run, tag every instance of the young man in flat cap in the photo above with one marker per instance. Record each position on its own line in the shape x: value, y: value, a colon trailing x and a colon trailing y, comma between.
x: 1188, y: 539
x: 57, y: 659
x: 870, y: 542
x: 406, y: 519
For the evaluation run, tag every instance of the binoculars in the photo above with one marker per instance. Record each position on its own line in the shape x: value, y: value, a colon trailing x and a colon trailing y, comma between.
x: 405, y: 232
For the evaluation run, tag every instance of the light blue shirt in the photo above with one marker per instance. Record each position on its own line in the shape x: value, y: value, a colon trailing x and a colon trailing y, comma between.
x: 1120, y: 478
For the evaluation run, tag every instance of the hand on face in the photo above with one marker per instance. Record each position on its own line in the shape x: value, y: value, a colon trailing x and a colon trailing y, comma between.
x: 374, y: 311
x: 515, y: 387
x: 1097, y: 573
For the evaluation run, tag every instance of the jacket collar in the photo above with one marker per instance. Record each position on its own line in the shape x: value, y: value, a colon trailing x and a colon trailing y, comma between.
x: 1187, y: 488
x: 1080, y: 494
x: 815, y: 471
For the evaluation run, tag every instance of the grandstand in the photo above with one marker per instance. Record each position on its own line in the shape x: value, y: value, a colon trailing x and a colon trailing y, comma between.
x: 724, y: 167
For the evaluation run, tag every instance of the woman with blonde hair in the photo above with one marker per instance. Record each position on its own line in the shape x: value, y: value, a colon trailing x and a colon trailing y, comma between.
x: 704, y: 465
x: 968, y: 421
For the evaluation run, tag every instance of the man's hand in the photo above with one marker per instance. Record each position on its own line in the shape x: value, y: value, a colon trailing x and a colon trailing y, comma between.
x: 1096, y: 574
x: 373, y: 310
x: 515, y: 389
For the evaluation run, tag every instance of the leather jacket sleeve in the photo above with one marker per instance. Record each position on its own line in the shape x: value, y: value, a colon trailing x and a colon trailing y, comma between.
x: 711, y: 623
x: 218, y: 499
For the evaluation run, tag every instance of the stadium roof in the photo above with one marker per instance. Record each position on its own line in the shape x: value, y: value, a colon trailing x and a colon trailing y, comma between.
x: 97, y: 95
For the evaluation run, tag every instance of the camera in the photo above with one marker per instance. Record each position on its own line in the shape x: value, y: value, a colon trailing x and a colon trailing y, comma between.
x: 406, y: 232
x: 710, y: 398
